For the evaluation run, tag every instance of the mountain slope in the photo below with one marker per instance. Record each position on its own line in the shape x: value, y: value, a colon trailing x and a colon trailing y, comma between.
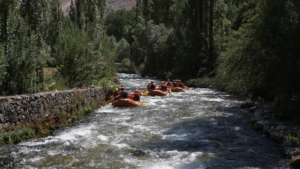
x: 120, y: 4
x: 114, y: 4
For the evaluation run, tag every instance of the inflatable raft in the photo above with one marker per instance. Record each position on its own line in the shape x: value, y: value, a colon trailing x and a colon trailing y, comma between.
x: 177, y: 89
x: 125, y: 103
x: 158, y: 93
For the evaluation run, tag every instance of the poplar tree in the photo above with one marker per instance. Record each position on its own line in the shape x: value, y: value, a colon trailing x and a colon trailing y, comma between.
x: 5, y: 6
x: 191, y: 39
x: 83, y: 52
x: 24, y: 27
x: 3, y: 64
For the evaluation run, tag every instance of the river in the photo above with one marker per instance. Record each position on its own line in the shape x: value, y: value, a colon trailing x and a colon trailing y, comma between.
x: 197, y: 129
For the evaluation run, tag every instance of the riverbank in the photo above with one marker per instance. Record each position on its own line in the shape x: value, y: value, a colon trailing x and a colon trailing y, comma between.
x: 37, y: 115
x: 286, y: 134
x: 283, y: 133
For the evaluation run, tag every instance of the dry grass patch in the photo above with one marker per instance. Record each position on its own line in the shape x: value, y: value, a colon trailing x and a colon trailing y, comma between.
x: 49, y: 71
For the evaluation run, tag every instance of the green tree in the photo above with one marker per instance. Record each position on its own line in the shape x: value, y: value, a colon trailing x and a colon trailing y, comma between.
x: 20, y: 56
x: 261, y: 56
x: 83, y: 53
x: 5, y: 6
x: 38, y: 21
x: 119, y: 23
x: 83, y: 12
x: 54, y: 27
x: 3, y: 65
x: 191, y: 23
x: 278, y: 36
x: 148, y: 47
x: 123, y: 50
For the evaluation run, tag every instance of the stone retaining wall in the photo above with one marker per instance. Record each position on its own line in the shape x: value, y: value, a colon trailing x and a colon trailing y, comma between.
x: 25, y: 108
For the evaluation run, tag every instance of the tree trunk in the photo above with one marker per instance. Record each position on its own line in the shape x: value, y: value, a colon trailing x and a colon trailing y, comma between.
x: 211, y: 34
x: 201, y: 17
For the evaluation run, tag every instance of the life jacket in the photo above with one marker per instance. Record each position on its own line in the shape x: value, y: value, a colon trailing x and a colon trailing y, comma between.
x: 124, y: 94
x: 117, y: 93
x: 152, y: 86
x: 136, y: 96
x: 180, y: 84
x: 163, y: 87
x: 175, y: 84
x: 169, y: 84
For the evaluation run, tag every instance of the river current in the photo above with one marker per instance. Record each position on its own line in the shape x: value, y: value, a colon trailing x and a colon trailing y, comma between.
x: 197, y: 129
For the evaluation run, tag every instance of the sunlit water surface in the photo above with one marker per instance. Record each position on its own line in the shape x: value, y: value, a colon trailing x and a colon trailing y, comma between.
x: 197, y: 129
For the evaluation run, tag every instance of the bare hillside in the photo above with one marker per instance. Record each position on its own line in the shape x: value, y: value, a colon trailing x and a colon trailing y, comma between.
x: 65, y: 6
x: 114, y: 4
x: 120, y: 4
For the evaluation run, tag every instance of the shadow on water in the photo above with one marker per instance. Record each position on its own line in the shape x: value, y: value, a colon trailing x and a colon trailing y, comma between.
x: 224, y: 142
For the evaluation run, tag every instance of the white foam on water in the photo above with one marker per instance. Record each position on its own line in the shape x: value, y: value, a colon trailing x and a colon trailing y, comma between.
x: 122, y: 119
x: 182, y: 137
x: 157, y: 166
x: 174, y: 160
x: 153, y: 101
x: 75, y: 134
x: 34, y: 160
x: 102, y: 138
x: 120, y: 146
x: 105, y: 109
x: 212, y: 99
x: 141, y: 128
x: 53, y: 153
x: 163, y: 106
x: 26, y: 150
x: 202, y: 91
x: 236, y: 128
x: 67, y: 137
x: 67, y: 143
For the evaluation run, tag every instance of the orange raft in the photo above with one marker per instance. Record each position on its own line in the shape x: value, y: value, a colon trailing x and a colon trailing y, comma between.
x: 126, y: 103
x: 177, y: 89
x: 158, y: 93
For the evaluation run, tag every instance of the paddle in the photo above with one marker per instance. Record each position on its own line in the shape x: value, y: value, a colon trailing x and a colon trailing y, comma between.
x: 186, y: 88
x: 109, y: 101
x: 143, y: 91
x: 129, y: 96
x: 144, y: 104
